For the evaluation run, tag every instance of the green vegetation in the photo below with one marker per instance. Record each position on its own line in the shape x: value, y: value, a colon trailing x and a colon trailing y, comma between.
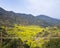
x: 29, y: 37
x: 53, y: 43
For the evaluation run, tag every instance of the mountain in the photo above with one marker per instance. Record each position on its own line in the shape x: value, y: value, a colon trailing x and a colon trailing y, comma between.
x: 9, y: 18
x: 48, y: 20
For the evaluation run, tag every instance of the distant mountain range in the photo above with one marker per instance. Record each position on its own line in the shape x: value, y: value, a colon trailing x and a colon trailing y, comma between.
x: 9, y: 18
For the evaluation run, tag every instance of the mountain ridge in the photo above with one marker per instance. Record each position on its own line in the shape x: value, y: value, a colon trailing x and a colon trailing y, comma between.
x: 10, y: 17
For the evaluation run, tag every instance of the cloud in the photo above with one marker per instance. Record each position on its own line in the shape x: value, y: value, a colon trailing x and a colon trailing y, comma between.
x: 40, y: 6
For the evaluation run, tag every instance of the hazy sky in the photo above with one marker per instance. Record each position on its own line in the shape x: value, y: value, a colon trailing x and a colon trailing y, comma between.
x: 35, y: 7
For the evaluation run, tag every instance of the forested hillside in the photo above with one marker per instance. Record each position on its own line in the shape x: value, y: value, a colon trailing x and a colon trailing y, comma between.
x: 19, y: 30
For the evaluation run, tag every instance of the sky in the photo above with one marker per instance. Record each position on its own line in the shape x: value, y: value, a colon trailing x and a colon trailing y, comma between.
x: 50, y: 8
